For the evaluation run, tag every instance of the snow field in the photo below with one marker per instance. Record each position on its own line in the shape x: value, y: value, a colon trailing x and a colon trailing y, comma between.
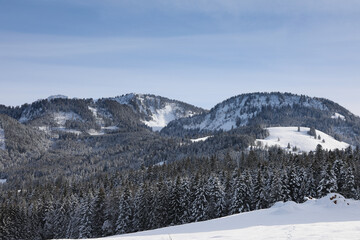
x: 282, y: 136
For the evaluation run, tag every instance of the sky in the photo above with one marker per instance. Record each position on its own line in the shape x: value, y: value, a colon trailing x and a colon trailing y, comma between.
x: 198, y: 51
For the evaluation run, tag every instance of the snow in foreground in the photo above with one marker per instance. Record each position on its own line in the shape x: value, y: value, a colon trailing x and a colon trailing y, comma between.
x: 331, y: 217
x: 282, y: 136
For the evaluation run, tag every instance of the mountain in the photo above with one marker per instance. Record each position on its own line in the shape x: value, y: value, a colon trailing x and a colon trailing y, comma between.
x: 269, y: 110
x: 58, y: 115
x: 330, y: 217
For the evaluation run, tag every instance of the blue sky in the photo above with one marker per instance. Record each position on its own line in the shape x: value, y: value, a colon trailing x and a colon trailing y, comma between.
x: 199, y: 51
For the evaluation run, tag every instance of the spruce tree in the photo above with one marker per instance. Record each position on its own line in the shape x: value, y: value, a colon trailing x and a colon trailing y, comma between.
x: 328, y: 182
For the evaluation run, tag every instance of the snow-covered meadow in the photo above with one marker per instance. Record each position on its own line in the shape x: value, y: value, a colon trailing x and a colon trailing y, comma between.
x: 331, y: 217
x: 283, y: 136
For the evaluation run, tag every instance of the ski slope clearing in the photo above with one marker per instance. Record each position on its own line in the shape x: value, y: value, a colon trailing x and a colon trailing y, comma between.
x: 283, y: 136
x: 338, y: 116
x: 200, y: 139
x: 161, y: 117
x: 331, y: 217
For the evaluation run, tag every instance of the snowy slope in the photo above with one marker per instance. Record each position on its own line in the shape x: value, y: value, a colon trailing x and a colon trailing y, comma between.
x: 161, y: 117
x: 331, y: 217
x: 2, y: 139
x: 282, y: 136
x: 157, y: 111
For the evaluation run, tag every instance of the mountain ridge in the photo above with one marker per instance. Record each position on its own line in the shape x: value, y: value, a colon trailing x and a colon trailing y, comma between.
x: 270, y: 110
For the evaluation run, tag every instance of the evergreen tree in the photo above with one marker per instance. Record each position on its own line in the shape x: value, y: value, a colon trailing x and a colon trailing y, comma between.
x: 349, y: 190
x: 260, y: 199
x: 124, y: 220
x: 98, y: 213
x: 200, y: 204
x: 175, y: 207
x: 86, y: 216
x: 327, y: 183
x: 216, y: 197
x: 294, y: 185
x: 185, y: 201
x: 276, y: 187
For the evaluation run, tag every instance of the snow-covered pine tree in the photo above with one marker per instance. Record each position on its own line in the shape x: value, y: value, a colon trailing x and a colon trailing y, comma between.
x: 98, y: 216
x: 216, y: 198
x: 285, y: 191
x: 142, y: 208
x: 185, y: 201
x: 349, y: 190
x: 260, y: 199
x: 124, y: 220
x: 199, y: 208
x: 328, y: 182
x: 294, y: 185
x: 175, y: 208
x: 275, y: 194
x: 237, y: 202
x: 86, y: 212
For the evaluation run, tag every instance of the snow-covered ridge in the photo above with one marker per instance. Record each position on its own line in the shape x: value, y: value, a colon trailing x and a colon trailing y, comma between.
x: 57, y: 96
x: 331, y: 217
x: 237, y: 111
x: 299, y: 141
x: 2, y: 139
